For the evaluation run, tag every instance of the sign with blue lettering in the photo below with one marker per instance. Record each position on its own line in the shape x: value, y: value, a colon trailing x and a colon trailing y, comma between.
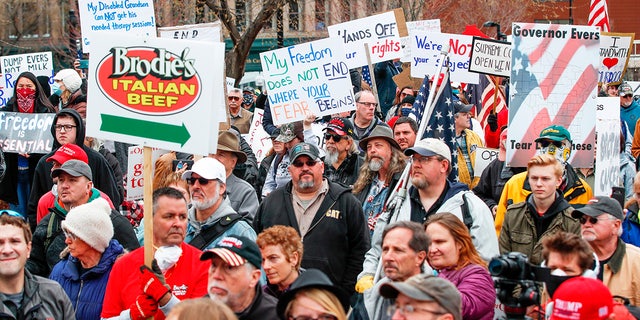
x: 39, y: 63
x: 615, y: 49
x: 135, y: 17
x: 307, y: 78
x: 425, y: 55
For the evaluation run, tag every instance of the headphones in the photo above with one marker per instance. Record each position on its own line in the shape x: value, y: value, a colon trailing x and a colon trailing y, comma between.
x: 589, y: 273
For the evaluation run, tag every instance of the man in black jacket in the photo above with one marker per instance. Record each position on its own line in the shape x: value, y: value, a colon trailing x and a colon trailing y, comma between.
x: 342, y: 158
x: 67, y: 127
x: 327, y: 216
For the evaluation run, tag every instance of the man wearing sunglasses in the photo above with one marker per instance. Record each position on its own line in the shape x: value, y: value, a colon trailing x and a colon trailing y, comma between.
x: 326, y: 214
x: 556, y: 141
x: 239, y: 116
x: 342, y: 159
x: 601, y: 221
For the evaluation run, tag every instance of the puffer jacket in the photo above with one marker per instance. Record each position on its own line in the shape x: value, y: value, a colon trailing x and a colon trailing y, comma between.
x: 43, y: 299
x: 476, y: 290
x: 86, y: 290
x: 523, y: 229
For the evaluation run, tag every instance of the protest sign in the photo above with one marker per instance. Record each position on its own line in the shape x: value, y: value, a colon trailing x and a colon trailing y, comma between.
x: 306, y: 78
x: 26, y: 132
x: 484, y: 156
x: 39, y: 63
x: 432, y: 25
x: 425, y: 55
x: 156, y: 95
x: 607, y: 168
x: 135, y: 17
x: 615, y: 49
x: 382, y: 32
x: 554, y: 77
x: 258, y: 139
x: 198, y: 32
x: 490, y: 57
x: 135, y: 181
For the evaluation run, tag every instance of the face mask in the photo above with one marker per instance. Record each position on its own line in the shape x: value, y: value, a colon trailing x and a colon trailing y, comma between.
x: 405, y: 111
x: 167, y: 256
x: 25, y: 98
x: 55, y: 89
x: 456, y: 91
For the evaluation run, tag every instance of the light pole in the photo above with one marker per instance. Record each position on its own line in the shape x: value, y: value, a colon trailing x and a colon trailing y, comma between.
x: 499, y: 35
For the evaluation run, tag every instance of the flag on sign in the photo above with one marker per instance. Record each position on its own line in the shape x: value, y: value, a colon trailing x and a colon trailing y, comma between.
x: 441, y: 122
x: 366, y: 75
x: 599, y: 15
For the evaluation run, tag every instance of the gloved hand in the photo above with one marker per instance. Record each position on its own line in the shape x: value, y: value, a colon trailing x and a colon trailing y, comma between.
x: 152, y: 281
x: 144, y: 307
x: 492, y: 121
x: 365, y: 283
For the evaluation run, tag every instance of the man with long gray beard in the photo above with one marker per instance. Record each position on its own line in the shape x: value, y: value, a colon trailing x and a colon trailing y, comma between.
x: 326, y: 214
x: 342, y: 159
x: 211, y: 216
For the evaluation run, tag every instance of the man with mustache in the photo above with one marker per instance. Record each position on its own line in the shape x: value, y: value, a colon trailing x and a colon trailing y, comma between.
x: 326, y: 214
x: 180, y: 274
x: 234, y: 278
x: 211, y: 216
x: 342, y: 158
x: 239, y: 117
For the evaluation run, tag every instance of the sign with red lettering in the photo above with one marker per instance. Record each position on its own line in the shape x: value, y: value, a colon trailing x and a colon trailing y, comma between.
x: 135, y: 176
x: 425, y: 55
x: 155, y: 92
x: 306, y: 78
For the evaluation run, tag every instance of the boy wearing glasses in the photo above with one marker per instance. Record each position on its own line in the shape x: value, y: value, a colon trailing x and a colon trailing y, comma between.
x: 601, y: 221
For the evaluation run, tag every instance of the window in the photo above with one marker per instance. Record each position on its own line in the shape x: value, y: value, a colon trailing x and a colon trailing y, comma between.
x: 294, y: 15
x: 241, y: 15
x: 321, y: 14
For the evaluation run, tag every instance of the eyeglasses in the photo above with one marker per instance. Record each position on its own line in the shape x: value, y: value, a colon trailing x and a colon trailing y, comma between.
x: 201, y: 180
x: 592, y: 220
x: 66, y: 127
x: 409, y: 309
x: 335, y: 137
x: 546, y: 143
x: 69, y: 234
x: 628, y: 96
x: 368, y: 104
x: 299, y: 164
x: 324, y: 316
x: 231, y: 98
x: 14, y: 214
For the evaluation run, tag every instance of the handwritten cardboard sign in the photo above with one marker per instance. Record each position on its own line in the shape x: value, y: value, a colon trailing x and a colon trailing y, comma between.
x: 432, y: 25
x: 306, y: 78
x: 39, y: 63
x: 382, y: 32
x: 484, y: 156
x: 426, y: 48
x: 607, y: 169
x: 135, y: 183
x: 615, y: 49
x: 133, y: 17
x: 199, y: 32
x: 26, y: 132
x: 258, y: 139
x: 489, y: 56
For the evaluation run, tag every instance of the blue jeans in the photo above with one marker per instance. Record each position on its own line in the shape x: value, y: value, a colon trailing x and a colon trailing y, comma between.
x: 23, y: 190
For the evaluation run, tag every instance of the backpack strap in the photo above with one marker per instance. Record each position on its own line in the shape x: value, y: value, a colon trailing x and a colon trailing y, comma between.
x: 467, y: 219
x: 210, y: 233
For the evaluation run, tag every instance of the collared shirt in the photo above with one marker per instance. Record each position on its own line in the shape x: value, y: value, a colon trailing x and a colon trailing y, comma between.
x: 305, y: 210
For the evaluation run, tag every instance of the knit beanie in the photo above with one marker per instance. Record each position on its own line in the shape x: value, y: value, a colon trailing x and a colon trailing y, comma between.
x: 91, y: 222
x: 70, y: 78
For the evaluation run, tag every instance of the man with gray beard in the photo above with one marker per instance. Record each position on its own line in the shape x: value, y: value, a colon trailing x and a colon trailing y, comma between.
x: 211, y: 216
x: 342, y: 159
x: 380, y: 172
x: 326, y: 214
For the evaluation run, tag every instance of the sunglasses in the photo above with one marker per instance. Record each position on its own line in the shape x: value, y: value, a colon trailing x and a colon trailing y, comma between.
x: 14, y: 214
x: 234, y: 98
x: 69, y: 234
x: 201, y: 180
x: 335, y: 137
x: 592, y: 220
x: 546, y: 143
x: 299, y: 164
x: 628, y: 96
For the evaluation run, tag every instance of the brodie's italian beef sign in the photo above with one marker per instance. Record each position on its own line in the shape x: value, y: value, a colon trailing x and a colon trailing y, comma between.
x: 156, y: 92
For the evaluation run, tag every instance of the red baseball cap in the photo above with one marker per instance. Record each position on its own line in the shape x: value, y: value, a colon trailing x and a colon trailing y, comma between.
x: 68, y: 152
x: 582, y: 298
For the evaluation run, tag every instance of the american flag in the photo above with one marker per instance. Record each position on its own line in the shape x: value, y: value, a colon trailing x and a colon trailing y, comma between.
x: 441, y: 124
x: 490, y: 98
x: 366, y: 75
x: 599, y: 15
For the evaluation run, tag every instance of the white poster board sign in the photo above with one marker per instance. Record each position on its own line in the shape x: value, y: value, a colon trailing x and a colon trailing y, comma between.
x: 258, y: 139
x: 211, y: 32
x: 484, y: 156
x: 155, y: 92
x: 381, y: 32
x: 130, y: 17
x: 489, y: 56
x: 425, y: 55
x: 39, y: 63
x: 135, y: 172
x: 615, y: 49
x: 306, y: 78
x: 607, y: 169
x: 432, y: 25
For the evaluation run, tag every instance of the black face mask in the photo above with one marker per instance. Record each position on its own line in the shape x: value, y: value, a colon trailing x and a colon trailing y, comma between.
x: 551, y: 282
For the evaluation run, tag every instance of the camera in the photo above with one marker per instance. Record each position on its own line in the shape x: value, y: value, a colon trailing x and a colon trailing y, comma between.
x: 515, y: 282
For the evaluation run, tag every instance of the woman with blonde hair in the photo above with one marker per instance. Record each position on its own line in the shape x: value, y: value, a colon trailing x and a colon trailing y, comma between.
x: 313, y: 296
x: 454, y: 257
x: 281, y: 249
x: 202, y: 308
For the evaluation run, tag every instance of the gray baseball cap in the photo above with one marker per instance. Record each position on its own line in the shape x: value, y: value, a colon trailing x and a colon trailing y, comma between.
x: 75, y: 168
x: 598, y: 206
x: 426, y: 287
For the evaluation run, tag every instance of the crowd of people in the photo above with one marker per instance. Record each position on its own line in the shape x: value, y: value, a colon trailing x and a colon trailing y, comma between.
x: 318, y: 229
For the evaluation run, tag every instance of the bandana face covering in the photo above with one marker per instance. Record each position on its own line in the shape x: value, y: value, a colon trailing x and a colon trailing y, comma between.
x: 26, y: 98
x: 167, y: 256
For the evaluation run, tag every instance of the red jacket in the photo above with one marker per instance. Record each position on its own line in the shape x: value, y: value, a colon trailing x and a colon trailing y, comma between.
x: 187, y: 279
